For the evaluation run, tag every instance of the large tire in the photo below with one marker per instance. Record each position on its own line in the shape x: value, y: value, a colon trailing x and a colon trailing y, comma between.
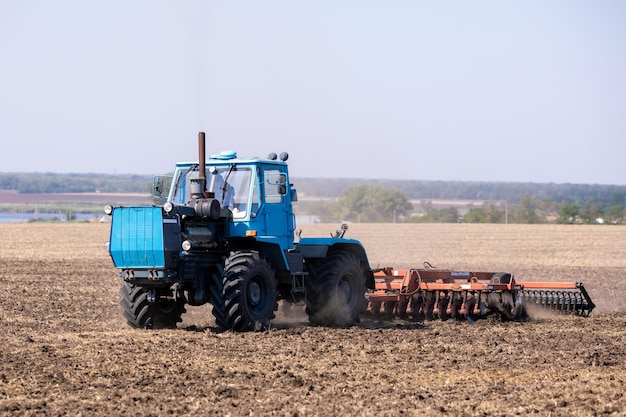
x: 336, y: 291
x: 142, y: 314
x: 216, y: 297
x: 250, y: 295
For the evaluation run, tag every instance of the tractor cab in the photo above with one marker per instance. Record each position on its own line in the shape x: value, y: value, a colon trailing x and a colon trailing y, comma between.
x: 254, y: 194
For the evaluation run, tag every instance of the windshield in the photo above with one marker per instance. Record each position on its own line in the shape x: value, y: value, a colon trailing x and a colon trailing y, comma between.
x: 230, y: 184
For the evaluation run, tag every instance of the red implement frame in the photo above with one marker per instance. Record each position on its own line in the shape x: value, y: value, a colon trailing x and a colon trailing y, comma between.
x: 444, y: 292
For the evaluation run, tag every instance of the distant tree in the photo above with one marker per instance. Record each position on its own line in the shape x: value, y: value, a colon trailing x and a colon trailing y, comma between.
x: 373, y: 203
x: 568, y: 213
x: 493, y: 214
x: 616, y: 215
x: 433, y: 215
x: 528, y: 214
x: 475, y: 215
x: 590, y: 212
x: 446, y: 215
x: 489, y: 213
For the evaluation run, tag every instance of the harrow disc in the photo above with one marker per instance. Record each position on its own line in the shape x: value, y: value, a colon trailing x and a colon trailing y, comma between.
x: 560, y: 301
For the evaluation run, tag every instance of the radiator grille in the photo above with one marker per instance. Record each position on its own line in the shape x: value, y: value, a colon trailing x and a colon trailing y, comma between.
x: 137, y: 237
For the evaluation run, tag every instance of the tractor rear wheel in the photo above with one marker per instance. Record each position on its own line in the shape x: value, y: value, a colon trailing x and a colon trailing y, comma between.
x: 140, y: 313
x: 250, y: 295
x: 336, y: 291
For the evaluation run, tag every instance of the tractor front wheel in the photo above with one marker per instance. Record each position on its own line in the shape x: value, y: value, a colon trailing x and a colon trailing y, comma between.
x: 216, y: 297
x: 140, y: 313
x: 250, y: 295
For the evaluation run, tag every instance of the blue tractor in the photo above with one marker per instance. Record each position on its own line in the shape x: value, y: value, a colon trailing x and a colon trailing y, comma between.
x: 225, y: 235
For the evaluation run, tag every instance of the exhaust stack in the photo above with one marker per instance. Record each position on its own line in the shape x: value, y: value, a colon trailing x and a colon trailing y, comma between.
x: 202, y: 156
x: 198, y: 185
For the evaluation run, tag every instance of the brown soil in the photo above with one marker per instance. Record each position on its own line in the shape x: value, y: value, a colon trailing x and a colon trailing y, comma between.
x: 65, y: 349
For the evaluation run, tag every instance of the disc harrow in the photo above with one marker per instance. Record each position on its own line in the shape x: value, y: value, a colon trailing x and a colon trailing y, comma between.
x: 430, y: 293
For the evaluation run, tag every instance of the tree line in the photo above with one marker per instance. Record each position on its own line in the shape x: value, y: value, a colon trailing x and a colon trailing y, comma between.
x: 605, y: 195
x: 376, y: 200
x: 38, y: 182
x: 375, y: 203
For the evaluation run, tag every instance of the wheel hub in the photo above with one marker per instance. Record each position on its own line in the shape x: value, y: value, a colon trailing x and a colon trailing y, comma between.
x: 345, y: 290
x: 254, y: 293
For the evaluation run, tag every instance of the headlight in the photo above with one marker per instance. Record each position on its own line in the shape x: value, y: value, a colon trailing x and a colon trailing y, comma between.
x: 108, y: 209
x: 168, y: 207
x: 186, y: 245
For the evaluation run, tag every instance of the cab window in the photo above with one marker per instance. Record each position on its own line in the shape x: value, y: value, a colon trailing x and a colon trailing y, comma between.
x: 275, y: 186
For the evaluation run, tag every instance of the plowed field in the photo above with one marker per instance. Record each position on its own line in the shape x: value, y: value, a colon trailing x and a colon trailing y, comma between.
x: 66, y: 350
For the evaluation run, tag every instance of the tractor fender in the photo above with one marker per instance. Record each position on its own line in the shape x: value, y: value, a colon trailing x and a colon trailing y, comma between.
x: 269, y: 247
x: 320, y: 248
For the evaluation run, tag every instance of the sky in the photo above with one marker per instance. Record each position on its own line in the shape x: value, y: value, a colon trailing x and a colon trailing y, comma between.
x: 519, y: 91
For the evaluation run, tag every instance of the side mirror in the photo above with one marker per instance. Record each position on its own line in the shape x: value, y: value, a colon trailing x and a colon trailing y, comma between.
x: 161, y: 186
